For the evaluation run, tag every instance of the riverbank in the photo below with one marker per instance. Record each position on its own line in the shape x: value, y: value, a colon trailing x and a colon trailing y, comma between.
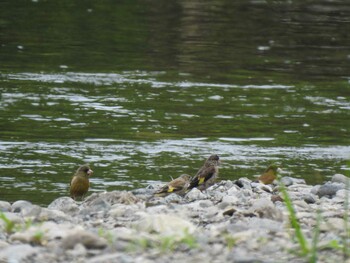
x: 232, y: 221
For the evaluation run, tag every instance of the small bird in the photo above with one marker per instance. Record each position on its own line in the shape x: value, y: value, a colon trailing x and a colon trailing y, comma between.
x: 178, y: 186
x: 79, y: 185
x: 269, y: 175
x: 207, y: 174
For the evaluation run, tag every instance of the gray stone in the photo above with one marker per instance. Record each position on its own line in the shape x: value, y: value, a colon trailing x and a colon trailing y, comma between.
x: 244, y: 183
x: 266, y: 209
x: 5, y: 206
x: 206, y: 203
x: 309, y: 199
x: 195, y: 194
x: 17, y: 253
x: 3, y: 244
x: 53, y: 215
x: 287, y: 181
x: 234, y: 190
x: 20, y: 205
x: 173, y: 198
x: 340, y: 178
x: 89, y: 240
x: 167, y: 225
x: 118, y: 257
x: 230, y: 199
x: 329, y: 189
x: 114, y: 197
x: 26, y: 209
x: 314, y: 189
x: 65, y: 204
x: 79, y: 250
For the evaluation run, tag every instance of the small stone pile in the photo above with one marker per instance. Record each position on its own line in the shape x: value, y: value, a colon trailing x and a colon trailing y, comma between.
x: 232, y: 221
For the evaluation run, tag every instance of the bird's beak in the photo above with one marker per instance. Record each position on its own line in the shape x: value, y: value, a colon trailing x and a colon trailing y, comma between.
x: 90, y: 172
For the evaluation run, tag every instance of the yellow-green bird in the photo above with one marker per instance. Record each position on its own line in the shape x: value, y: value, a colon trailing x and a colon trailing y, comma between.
x: 269, y: 175
x: 178, y: 186
x: 207, y: 174
x: 79, y: 185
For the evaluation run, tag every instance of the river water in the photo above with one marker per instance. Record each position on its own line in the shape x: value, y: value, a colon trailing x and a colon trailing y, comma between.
x: 146, y: 90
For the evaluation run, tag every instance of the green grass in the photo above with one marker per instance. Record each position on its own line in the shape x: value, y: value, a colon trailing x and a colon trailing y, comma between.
x: 303, y: 244
x: 9, y: 225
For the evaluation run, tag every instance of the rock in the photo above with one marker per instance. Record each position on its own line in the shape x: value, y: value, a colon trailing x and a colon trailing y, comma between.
x: 53, y: 215
x: 260, y: 188
x: 3, y: 245
x: 229, y: 212
x: 332, y: 224
x: 195, y: 194
x: 314, y: 189
x: 20, y: 205
x: 266, y: 209
x: 329, y: 189
x: 340, y: 178
x: 309, y: 199
x: 206, y: 203
x: 65, y: 204
x: 244, y: 183
x: 276, y: 198
x: 118, y: 257
x: 234, y: 190
x: 42, y: 233
x: 17, y: 253
x: 230, y: 199
x: 341, y: 196
x: 5, y: 206
x: 166, y: 225
x: 114, y: 197
x: 173, y: 198
x: 26, y: 209
x: 79, y: 250
x: 286, y: 180
x: 89, y: 240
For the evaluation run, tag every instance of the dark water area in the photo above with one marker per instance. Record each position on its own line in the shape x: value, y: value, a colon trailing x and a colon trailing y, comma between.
x: 147, y: 90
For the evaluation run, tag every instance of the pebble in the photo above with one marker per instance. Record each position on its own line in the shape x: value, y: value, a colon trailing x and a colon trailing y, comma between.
x: 287, y: 181
x: 5, y: 206
x: 195, y: 194
x: 340, y: 178
x: 329, y: 189
x: 309, y: 199
x: 229, y: 221
x: 17, y: 253
x: 65, y: 204
x: 89, y: 240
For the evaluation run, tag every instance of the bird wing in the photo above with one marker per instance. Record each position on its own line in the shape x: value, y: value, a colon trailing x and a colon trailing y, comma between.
x: 173, y: 186
x: 203, y: 175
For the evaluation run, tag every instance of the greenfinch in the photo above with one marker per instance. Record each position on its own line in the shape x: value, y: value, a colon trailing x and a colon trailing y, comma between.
x: 178, y: 186
x: 80, y: 184
x: 269, y: 175
x: 207, y: 174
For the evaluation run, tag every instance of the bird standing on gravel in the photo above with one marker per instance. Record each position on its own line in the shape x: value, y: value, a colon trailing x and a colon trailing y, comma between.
x: 269, y: 175
x: 178, y: 186
x: 79, y: 184
x: 207, y: 174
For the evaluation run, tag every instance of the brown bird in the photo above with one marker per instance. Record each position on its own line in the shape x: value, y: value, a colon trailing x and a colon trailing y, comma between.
x: 79, y: 185
x: 178, y: 186
x: 207, y: 174
x: 269, y: 175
